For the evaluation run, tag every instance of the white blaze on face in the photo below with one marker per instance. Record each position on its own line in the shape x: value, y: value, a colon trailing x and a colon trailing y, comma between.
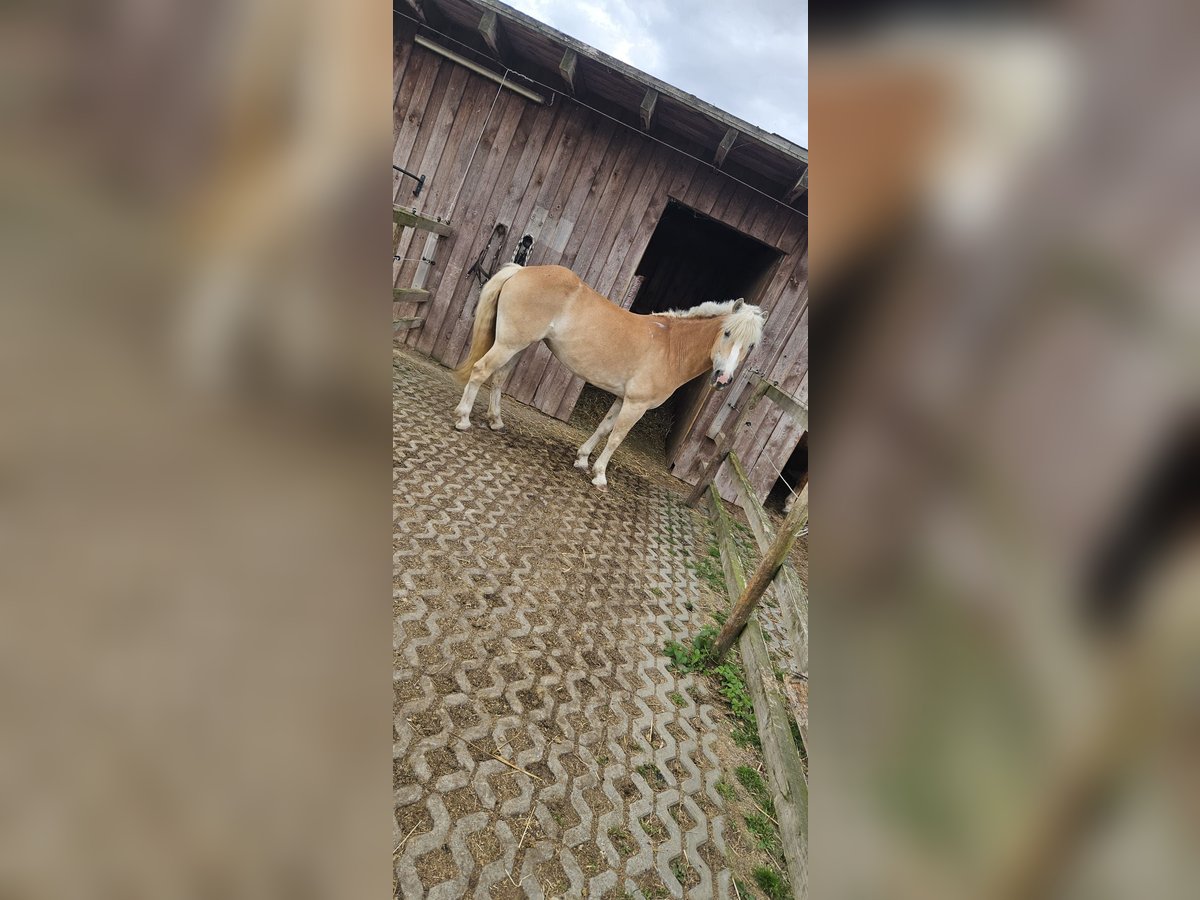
x: 727, y: 366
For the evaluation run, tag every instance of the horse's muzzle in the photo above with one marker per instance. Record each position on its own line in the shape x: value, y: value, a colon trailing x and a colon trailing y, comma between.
x: 717, y: 380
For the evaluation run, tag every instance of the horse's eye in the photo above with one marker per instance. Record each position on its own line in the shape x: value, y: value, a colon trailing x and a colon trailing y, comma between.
x: 727, y: 334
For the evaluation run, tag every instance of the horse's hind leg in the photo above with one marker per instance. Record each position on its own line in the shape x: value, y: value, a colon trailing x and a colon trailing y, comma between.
x: 605, y: 426
x: 494, y: 421
x: 494, y: 359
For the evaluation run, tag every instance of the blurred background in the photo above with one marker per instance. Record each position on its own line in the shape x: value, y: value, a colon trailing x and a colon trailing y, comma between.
x: 194, y: 442
x: 1005, y: 612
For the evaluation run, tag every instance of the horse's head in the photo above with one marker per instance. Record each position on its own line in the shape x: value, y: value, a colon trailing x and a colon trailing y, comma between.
x: 741, y: 329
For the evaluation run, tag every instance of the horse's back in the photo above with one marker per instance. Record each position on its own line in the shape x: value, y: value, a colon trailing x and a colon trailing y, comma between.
x: 550, y: 278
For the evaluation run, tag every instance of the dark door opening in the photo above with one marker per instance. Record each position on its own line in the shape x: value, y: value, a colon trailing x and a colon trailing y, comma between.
x: 793, y: 476
x: 690, y: 259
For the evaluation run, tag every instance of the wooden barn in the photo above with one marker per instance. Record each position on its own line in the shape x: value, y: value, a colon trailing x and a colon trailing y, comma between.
x: 522, y: 141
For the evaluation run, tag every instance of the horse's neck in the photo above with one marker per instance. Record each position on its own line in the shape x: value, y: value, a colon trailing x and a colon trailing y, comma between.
x: 691, y: 345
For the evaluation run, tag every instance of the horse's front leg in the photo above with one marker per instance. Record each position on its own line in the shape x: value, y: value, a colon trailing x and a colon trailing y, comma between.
x: 626, y: 419
x: 605, y: 426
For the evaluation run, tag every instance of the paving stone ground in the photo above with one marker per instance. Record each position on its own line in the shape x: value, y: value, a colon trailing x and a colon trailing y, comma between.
x: 542, y: 747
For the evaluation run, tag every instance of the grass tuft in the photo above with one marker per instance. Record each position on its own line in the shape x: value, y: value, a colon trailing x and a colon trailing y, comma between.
x: 773, y: 884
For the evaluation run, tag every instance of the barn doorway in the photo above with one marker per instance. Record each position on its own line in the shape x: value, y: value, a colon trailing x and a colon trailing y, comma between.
x: 792, y: 477
x: 690, y: 258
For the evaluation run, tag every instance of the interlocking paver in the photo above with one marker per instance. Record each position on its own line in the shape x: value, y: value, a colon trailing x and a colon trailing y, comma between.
x: 530, y: 613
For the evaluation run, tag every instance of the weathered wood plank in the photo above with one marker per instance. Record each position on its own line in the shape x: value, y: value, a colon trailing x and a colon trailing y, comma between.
x: 414, y: 100
x: 409, y: 295
x: 407, y: 217
x: 519, y: 190
x: 483, y: 177
x: 432, y: 135
x: 789, y: 787
x: 404, y: 323
x: 484, y: 210
x: 575, y: 150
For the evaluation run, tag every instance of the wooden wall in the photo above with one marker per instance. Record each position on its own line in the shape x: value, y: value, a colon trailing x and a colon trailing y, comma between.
x: 590, y: 191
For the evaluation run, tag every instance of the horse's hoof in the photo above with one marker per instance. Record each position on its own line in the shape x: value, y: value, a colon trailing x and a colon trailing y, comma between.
x: 581, y: 464
x: 496, y: 426
x: 601, y: 485
x: 462, y: 426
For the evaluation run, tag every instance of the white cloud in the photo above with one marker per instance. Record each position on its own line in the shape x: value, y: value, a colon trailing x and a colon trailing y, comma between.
x: 748, y: 57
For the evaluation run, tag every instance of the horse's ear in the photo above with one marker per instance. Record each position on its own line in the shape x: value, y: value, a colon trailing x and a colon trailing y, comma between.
x: 739, y: 303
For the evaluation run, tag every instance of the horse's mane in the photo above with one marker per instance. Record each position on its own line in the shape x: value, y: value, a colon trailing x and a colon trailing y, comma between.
x: 746, y: 323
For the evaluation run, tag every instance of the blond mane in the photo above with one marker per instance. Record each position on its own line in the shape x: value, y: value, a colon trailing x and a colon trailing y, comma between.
x: 746, y: 324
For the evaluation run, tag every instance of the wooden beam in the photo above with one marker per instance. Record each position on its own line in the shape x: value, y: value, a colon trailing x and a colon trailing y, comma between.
x: 568, y: 68
x: 409, y: 295
x: 647, y: 108
x: 797, y: 190
x: 790, y: 405
x: 407, y: 322
x: 401, y: 216
x: 789, y: 787
x: 494, y: 37
x: 724, y: 147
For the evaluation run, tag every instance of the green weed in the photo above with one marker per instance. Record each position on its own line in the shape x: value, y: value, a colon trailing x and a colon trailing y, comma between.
x: 772, y: 883
x: 764, y: 834
x: 753, y: 782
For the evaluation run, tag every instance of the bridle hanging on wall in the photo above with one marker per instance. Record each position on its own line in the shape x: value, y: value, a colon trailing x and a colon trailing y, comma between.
x: 477, y: 268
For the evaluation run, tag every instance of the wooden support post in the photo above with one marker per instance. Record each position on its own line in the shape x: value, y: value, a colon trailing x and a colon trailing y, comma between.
x: 724, y: 147
x: 647, y: 108
x: 763, y: 575
x: 568, y: 68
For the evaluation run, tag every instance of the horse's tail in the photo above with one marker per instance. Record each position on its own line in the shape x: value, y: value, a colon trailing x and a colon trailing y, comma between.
x: 483, y: 332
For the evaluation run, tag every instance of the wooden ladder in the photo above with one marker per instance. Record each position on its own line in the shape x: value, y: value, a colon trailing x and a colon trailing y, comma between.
x: 409, y: 218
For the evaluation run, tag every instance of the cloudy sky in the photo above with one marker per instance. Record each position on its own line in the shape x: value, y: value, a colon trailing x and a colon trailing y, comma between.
x: 749, y: 57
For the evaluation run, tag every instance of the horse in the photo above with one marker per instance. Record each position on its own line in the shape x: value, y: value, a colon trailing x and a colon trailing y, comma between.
x: 642, y: 359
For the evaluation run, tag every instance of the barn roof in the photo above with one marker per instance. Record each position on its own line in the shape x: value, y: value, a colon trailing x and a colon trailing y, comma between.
x: 499, y: 37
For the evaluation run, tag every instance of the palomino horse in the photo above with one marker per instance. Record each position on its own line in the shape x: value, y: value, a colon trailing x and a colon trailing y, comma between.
x: 641, y: 359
